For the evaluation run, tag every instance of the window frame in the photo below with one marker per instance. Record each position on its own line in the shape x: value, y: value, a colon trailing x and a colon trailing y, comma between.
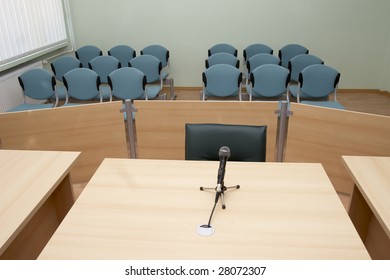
x: 48, y: 48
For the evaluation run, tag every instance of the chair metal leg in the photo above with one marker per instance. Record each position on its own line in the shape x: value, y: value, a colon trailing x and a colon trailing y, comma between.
x: 172, y: 91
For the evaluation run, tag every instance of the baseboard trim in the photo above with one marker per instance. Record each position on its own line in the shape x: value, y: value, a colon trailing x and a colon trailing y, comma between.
x: 349, y: 90
x: 185, y: 88
x: 344, y: 90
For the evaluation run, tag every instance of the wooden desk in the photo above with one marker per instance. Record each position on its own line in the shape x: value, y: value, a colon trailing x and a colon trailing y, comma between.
x: 150, y: 209
x: 35, y: 195
x: 370, y: 203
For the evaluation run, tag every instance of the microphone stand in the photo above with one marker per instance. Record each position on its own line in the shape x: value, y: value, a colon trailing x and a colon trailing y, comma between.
x: 220, y: 192
x: 220, y: 189
x: 207, y: 229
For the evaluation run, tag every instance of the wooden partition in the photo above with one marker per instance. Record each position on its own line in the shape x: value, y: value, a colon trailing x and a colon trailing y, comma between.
x: 323, y: 135
x: 315, y: 134
x: 96, y: 130
x: 160, y: 125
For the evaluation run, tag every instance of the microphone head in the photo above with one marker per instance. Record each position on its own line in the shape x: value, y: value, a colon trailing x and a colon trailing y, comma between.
x: 224, y: 152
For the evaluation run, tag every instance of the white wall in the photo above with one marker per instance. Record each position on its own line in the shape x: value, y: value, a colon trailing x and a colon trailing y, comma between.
x: 350, y: 35
x: 385, y: 81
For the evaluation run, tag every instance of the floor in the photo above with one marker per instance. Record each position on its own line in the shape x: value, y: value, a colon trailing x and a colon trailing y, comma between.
x: 374, y: 102
x: 365, y: 101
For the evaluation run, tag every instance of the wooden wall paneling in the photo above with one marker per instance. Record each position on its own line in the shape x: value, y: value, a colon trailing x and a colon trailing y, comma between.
x: 160, y: 125
x: 97, y: 130
x: 323, y: 135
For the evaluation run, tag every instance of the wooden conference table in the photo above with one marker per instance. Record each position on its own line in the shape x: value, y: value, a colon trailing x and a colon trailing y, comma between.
x: 35, y: 195
x: 370, y: 203
x: 150, y: 209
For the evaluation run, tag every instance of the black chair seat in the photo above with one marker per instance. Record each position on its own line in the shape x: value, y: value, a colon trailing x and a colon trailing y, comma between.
x: 246, y: 142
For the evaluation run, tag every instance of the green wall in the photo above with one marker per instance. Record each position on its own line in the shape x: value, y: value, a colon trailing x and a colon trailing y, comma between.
x: 350, y: 35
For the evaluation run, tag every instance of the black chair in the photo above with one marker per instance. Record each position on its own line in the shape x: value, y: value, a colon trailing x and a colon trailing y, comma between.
x: 246, y: 142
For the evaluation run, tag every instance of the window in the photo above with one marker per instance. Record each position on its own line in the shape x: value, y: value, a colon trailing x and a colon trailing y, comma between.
x: 30, y: 28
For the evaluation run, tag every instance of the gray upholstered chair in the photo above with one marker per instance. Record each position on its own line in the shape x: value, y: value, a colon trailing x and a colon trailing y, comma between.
x: 221, y: 81
x: 127, y: 83
x: 123, y: 53
x: 256, y: 61
x: 222, y: 47
x: 269, y: 81
x: 82, y: 84
x: 289, y: 51
x: 162, y: 53
x: 222, y: 58
x: 103, y: 65
x: 246, y: 142
x: 300, y: 62
x: 38, y: 84
x: 86, y: 53
x: 253, y: 49
x: 60, y: 66
x: 316, y: 83
x: 151, y: 66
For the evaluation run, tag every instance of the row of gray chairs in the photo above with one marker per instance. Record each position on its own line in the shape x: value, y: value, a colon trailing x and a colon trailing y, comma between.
x: 271, y: 82
x: 104, y: 65
x: 254, y: 56
x: 123, y: 83
x: 263, y: 83
x: 124, y: 53
x: 314, y: 84
x: 266, y: 81
x: 89, y: 56
x: 39, y: 84
x: 81, y: 84
x: 251, y: 63
x: 266, y: 75
x: 315, y: 81
x: 285, y: 53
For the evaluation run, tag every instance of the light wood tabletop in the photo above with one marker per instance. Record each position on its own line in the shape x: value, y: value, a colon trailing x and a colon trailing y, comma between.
x: 27, y: 180
x: 150, y: 209
x: 371, y: 196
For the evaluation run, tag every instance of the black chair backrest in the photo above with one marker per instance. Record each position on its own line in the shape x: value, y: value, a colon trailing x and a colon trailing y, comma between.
x: 246, y: 142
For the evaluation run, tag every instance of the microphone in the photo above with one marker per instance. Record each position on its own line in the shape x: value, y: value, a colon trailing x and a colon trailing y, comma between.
x: 224, y: 154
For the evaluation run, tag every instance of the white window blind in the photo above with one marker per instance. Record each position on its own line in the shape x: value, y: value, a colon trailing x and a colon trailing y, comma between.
x: 29, y: 28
